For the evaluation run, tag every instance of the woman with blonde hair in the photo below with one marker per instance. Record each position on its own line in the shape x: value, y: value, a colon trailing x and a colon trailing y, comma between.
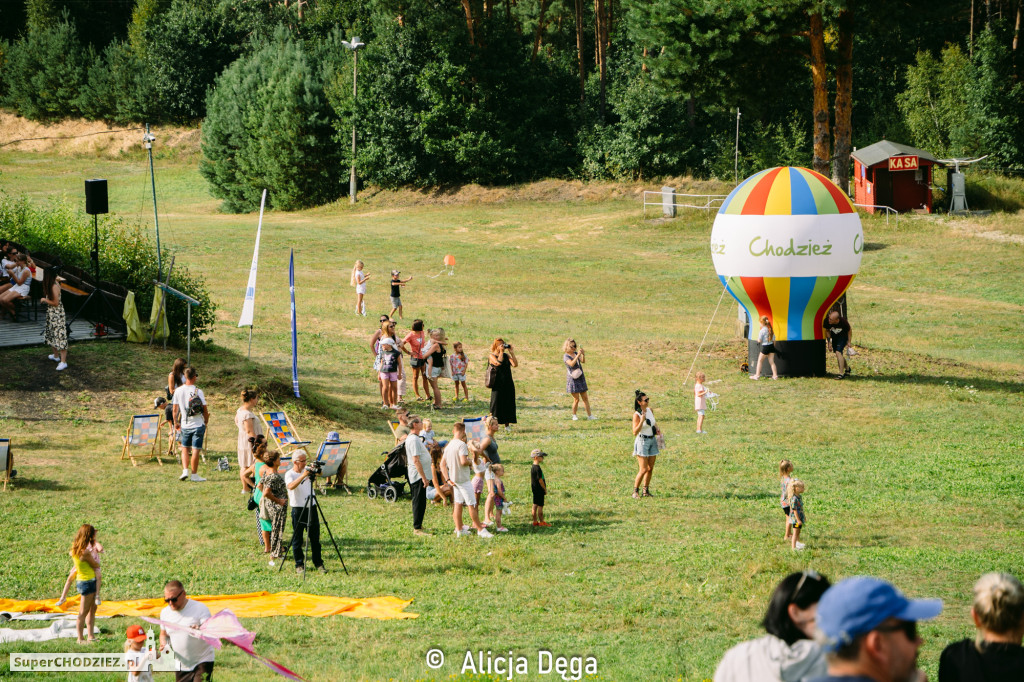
x: 766, y: 339
x: 502, y: 359
x: 575, y: 381
x: 995, y: 653
x: 358, y: 280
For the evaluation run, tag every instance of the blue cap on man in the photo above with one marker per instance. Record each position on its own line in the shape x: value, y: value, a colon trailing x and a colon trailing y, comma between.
x: 858, y: 605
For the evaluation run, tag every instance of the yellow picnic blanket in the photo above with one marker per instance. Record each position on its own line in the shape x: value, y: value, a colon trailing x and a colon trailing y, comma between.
x: 251, y: 605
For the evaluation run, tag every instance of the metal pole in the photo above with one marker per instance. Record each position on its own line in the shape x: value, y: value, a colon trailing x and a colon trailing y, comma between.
x: 736, y: 162
x: 352, y: 176
x: 248, y: 354
x: 156, y: 218
x: 188, y: 335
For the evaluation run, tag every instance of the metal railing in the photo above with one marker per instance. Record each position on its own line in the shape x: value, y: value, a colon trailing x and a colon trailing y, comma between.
x: 701, y: 202
x: 888, y: 210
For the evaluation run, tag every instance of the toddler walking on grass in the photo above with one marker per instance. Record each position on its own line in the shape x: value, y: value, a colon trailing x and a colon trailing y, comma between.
x: 785, y: 476
x: 459, y: 362
x: 700, y: 400
x: 499, y: 496
x: 796, y: 510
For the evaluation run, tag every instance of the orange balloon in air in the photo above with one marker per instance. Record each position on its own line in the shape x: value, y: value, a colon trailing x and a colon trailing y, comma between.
x: 449, y: 260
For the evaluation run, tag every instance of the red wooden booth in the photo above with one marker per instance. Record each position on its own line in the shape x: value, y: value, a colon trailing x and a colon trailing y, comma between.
x: 894, y: 175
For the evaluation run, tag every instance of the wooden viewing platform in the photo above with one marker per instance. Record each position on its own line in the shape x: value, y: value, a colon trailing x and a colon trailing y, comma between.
x: 14, y: 334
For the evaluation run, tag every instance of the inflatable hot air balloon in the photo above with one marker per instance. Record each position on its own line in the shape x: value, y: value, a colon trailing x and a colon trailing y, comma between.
x: 787, y: 243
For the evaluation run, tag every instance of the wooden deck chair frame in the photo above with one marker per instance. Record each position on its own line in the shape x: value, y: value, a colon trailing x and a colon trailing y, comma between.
x: 6, y: 454
x: 322, y: 478
x: 126, y: 451
x: 299, y: 444
x: 172, y: 440
x: 394, y: 424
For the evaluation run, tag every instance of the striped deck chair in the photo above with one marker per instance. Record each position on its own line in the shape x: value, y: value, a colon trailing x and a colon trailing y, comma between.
x: 283, y: 434
x: 331, y: 454
x: 6, y: 460
x: 142, y: 435
x: 476, y: 427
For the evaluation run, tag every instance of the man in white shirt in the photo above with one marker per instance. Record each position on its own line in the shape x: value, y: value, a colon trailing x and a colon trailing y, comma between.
x: 457, y: 466
x: 194, y: 654
x: 190, y: 423
x: 418, y: 462
x: 300, y: 489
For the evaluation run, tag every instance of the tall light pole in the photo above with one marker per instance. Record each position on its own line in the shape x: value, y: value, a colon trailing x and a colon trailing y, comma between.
x: 148, y: 139
x: 353, y: 45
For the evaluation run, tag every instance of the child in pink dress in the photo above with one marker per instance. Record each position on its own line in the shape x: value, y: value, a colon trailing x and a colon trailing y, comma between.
x: 459, y: 362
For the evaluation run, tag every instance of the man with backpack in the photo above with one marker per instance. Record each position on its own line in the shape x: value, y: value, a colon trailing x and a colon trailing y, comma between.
x: 190, y: 419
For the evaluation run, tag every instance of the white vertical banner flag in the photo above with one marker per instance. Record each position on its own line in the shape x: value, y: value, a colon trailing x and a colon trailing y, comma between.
x: 250, y: 289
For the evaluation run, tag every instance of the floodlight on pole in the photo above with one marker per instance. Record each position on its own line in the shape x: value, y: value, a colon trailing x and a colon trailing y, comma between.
x: 353, y: 45
x: 148, y: 140
x: 736, y: 158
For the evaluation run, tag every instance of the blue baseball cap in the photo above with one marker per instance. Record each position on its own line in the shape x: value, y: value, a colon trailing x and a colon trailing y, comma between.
x: 858, y: 605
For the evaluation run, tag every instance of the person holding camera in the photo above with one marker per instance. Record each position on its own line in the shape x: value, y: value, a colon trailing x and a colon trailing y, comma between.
x: 300, y: 488
x: 418, y: 461
x: 575, y: 380
x: 191, y: 415
x: 503, y: 389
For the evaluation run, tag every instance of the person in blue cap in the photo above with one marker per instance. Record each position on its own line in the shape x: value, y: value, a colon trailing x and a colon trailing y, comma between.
x: 868, y: 631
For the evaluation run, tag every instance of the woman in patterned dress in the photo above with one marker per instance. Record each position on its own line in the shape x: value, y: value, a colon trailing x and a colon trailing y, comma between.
x: 574, y: 358
x: 56, y: 334
x: 274, y: 504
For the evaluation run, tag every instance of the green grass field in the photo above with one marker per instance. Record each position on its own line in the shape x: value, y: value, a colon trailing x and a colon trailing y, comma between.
x: 913, y: 466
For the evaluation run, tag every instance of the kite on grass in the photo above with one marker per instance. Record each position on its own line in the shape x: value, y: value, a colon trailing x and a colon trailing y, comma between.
x: 225, y: 626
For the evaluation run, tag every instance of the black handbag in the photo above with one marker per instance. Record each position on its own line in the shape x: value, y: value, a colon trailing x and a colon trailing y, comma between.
x: 252, y: 504
x: 490, y: 376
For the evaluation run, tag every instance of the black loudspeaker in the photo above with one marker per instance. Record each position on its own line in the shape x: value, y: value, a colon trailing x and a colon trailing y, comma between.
x: 95, y: 197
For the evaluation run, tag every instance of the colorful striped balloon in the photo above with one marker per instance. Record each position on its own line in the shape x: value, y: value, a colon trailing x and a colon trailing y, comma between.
x: 787, y: 243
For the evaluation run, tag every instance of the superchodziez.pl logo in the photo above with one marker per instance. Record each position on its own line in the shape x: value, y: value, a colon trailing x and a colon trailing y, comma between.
x: 80, y: 663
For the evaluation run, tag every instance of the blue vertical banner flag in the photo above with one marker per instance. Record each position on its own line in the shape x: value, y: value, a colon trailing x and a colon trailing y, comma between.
x: 295, y: 336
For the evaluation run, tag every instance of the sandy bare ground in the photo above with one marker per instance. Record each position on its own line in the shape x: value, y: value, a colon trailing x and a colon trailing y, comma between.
x: 80, y: 137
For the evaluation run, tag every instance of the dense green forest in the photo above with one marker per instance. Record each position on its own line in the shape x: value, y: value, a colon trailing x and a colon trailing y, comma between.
x: 504, y: 91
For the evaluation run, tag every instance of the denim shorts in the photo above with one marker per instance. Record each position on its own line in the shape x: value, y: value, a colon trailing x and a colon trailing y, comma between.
x: 435, y: 372
x: 839, y: 345
x: 193, y: 438
x: 645, y: 447
x: 458, y: 377
x: 86, y: 586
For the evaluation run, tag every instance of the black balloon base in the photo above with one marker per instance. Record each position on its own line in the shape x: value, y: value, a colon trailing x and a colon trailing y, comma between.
x: 792, y: 358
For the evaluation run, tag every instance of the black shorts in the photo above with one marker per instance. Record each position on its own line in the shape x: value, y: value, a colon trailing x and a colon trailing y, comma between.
x: 416, y: 363
x: 839, y: 345
x: 769, y: 349
x: 538, y: 498
x: 201, y: 673
x: 785, y: 510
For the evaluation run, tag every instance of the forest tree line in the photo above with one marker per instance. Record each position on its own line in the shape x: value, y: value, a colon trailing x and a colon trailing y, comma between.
x: 506, y: 91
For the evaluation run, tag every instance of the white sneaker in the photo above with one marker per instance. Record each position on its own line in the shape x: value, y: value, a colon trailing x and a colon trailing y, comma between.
x: 575, y: 418
x: 62, y: 366
x: 54, y: 358
x: 462, y: 533
x: 271, y: 563
x: 196, y: 478
x: 184, y: 475
x: 488, y: 524
x: 800, y: 545
x: 484, y: 533
x: 501, y: 529
x: 592, y: 417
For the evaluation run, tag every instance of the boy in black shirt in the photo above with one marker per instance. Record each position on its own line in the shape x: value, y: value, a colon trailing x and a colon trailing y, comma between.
x: 396, y: 292
x: 540, y: 487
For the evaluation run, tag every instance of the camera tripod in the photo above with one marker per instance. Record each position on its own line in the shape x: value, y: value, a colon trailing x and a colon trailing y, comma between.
x: 307, y: 511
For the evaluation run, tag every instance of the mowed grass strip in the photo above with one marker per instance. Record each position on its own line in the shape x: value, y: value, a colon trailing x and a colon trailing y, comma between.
x: 913, y: 465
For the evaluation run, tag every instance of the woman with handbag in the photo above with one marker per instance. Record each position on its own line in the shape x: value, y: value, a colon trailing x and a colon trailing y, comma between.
x: 575, y: 381
x: 645, y: 443
x: 499, y: 379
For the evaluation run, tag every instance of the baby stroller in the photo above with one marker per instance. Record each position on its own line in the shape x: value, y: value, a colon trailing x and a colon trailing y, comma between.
x: 382, y: 482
